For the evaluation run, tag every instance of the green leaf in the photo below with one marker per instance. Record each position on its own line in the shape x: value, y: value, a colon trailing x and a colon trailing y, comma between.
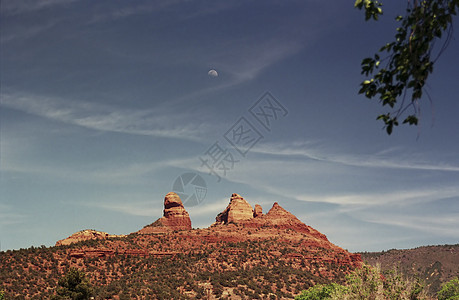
x: 412, y: 120
x: 404, y: 70
x: 389, y: 129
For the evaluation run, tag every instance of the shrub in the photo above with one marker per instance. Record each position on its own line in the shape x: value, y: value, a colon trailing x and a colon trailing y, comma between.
x: 73, y: 285
x: 368, y: 283
x: 320, y: 291
x: 449, y: 290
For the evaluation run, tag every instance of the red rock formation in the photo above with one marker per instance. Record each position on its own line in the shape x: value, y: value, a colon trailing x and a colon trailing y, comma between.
x: 258, y: 211
x: 278, y: 216
x: 237, y: 211
x: 237, y: 223
x: 175, y: 217
x: 84, y: 235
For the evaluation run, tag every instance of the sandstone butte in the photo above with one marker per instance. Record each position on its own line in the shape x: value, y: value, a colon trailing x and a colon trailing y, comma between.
x: 237, y: 222
x: 238, y: 210
x: 175, y: 217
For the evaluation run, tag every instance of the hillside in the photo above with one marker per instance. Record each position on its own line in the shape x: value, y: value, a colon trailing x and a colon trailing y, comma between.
x: 245, y: 254
x: 434, y: 264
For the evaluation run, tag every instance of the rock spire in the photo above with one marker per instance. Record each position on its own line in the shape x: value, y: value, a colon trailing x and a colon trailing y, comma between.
x: 175, y: 217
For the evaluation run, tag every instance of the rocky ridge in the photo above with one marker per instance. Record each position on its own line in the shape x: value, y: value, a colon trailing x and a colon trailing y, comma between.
x: 84, y: 235
x: 238, y: 213
x: 280, y: 218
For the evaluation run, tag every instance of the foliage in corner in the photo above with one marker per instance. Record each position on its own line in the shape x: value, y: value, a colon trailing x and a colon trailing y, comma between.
x: 368, y: 283
x: 372, y: 8
x: 2, y: 295
x: 398, y: 72
x: 74, y: 285
x: 449, y: 290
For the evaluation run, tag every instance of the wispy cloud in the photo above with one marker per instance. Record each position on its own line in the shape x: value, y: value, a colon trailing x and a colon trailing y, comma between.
x: 244, y: 66
x: 27, y: 32
x: 136, y: 206
x: 390, y: 158
x: 112, y: 13
x: 271, y: 175
x: 444, y: 225
x: 107, y: 118
x: 352, y: 202
x: 22, y: 6
x: 128, y: 206
x: 246, y: 63
x: 207, y: 208
x: 120, y: 173
x: 9, y: 217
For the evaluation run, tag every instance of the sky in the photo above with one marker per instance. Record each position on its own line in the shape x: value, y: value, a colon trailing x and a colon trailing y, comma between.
x: 106, y: 106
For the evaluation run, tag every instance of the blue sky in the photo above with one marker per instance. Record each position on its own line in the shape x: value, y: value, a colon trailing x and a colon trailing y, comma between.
x: 104, y: 104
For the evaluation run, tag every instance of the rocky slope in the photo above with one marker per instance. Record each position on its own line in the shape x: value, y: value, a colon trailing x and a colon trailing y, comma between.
x: 84, y: 235
x: 434, y: 264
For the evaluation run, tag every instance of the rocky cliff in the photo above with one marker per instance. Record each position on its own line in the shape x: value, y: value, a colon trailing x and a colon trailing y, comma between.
x: 237, y: 211
x: 258, y: 211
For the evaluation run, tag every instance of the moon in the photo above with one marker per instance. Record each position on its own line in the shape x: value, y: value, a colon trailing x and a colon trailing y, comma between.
x: 212, y: 73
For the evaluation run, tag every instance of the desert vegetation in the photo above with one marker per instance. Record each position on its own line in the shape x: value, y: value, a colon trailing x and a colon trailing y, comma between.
x: 246, y: 269
x: 252, y: 269
x: 371, y: 283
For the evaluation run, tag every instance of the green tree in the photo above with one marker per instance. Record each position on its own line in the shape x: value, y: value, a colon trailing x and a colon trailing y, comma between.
x: 449, y: 290
x: 2, y: 295
x: 74, y: 285
x: 398, y: 72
